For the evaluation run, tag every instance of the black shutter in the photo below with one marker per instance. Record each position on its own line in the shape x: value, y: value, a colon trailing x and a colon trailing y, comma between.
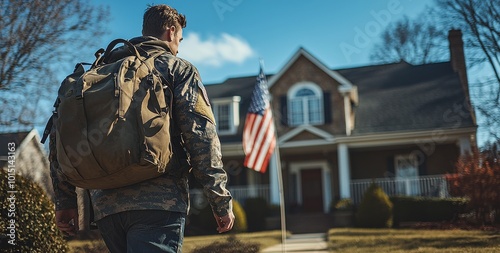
x: 422, y: 162
x: 283, y: 111
x: 327, y: 107
x: 390, y: 167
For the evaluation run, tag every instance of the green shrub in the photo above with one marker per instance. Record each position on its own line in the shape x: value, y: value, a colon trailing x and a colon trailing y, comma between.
x: 426, y: 209
x: 375, y: 209
x: 343, y: 205
x: 202, y: 222
x: 34, y: 220
x: 232, y: 245
x: 256, y: 209
x: 240, y: 222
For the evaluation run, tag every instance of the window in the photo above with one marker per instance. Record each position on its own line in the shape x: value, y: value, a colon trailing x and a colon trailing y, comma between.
x: 406, y: 167
x: 305, y: 105
x: 227, y: 114
x: 224, y: 117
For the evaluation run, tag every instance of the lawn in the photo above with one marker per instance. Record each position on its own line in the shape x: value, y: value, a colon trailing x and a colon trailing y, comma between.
x: 265, y: 239
x: 347, y: 240
x: 412, y: 240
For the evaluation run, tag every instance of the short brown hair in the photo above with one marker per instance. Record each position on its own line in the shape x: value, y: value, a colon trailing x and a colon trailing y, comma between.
x: 159, y: 18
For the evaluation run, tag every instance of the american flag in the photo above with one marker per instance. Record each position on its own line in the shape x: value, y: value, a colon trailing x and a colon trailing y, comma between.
x: 259, y: 137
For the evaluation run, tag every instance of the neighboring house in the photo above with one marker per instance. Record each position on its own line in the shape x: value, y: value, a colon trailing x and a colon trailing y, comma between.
x: 402, y: 125
x: 31, y: 161
x: 30, y: 157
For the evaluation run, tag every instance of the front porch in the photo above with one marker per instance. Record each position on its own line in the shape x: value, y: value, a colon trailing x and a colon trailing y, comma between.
x: 425, y: 186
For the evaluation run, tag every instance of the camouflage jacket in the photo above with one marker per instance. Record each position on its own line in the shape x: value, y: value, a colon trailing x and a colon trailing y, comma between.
x: 194, y: 125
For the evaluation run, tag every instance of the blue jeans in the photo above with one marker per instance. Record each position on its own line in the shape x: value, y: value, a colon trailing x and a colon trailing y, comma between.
x: 143, y: 231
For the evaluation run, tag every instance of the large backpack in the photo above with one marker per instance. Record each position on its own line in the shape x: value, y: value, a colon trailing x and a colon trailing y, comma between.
x: 112, y: 122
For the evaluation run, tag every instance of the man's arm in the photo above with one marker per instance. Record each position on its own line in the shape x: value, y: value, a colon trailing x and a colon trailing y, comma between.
x: 193, y: 115
x: 65, y: 195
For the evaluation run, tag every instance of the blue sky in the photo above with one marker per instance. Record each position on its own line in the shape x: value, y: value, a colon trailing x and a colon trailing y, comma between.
x: 226, y: 38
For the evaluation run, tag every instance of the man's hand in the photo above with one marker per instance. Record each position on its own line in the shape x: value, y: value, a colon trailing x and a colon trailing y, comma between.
x: 67, y: 221
x: 225, y: 223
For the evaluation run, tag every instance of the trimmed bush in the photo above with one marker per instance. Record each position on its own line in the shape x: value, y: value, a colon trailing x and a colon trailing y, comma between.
x: 240, y: 222
x: 232, y: 245
x: 425, y: 209
x: 202, y: 222
x: 257, y: 210
x: 375, y: 209
x: 34, y: 220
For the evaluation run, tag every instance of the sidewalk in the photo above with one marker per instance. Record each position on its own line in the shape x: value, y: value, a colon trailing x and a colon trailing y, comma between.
x: 305, y: 243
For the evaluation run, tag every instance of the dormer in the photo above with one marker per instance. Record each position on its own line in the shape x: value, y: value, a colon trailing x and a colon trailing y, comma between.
x: 227, y: 114
x: 310, y: 94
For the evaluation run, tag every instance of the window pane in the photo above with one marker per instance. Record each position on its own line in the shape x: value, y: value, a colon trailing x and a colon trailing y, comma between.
x: 296, y: 112
x: 315, y: 111
x: 304, y: 92
x: 223, y: 121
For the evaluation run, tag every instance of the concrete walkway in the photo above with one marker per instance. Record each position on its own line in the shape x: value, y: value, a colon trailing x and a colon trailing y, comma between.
x: 305, y: 243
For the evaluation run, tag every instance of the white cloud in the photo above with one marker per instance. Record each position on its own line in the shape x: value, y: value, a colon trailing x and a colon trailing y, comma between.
x: 214, y: 51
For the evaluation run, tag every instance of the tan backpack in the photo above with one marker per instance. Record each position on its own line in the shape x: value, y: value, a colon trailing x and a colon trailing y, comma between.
x: 112, y: 122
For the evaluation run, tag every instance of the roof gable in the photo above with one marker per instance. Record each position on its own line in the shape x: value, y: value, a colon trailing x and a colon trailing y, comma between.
x: 345, y: 84
x: 299, y: 132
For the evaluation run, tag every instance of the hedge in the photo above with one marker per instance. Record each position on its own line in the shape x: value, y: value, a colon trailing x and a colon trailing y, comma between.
x: 427, y: 209
x: 27, y: 217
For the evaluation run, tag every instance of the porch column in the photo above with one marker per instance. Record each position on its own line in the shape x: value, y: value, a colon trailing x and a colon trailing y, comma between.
x: 344, y: 171
x: 464, y: 144
x: 274, y: 192
x: 252, y: 182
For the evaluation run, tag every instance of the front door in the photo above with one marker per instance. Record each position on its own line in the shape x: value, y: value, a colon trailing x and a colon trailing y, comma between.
x: 312, y: 190
x: 407, y: 175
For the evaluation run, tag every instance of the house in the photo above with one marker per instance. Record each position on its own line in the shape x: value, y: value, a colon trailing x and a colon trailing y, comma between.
x: 30, y: 157
x: 31, y: 161
x: 401, y: 125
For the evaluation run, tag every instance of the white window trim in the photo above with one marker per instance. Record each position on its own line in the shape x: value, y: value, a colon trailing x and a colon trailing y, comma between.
x: 234, y: 113
x: 291, y: 95
x: 407, y: 185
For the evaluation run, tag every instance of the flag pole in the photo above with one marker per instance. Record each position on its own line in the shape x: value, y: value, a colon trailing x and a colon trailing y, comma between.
x: 277, y: 156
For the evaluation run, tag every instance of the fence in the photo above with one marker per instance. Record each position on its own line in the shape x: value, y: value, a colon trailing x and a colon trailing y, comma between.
x: 239, y: 193
x: 428, y: 186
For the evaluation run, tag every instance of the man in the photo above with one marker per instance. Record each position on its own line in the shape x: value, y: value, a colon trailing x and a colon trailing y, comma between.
x: 150, y: 216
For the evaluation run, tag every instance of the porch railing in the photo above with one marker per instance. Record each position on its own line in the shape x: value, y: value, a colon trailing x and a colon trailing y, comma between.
x: 240, y: 193
x: 428, y: 186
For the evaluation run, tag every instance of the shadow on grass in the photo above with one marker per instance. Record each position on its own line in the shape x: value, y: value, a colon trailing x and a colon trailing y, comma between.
x: 380, y: 240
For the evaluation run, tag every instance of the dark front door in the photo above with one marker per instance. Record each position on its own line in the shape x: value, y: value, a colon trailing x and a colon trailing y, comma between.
x: 312, y: 190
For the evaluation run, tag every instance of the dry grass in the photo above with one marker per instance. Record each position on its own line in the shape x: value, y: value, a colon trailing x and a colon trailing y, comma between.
x: 264, y: 239
x: 412, y: 240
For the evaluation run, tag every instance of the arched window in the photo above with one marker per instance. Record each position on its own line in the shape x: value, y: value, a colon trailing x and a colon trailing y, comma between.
x: 305, y: 105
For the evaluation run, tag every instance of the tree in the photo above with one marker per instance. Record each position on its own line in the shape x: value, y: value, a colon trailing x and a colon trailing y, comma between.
x: 38, y: 38
x: 478, y: 178
x: 480, y: 23
x: 415, y: 41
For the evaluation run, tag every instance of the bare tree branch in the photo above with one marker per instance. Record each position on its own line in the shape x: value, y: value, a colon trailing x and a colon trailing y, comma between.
x: 38, y: 37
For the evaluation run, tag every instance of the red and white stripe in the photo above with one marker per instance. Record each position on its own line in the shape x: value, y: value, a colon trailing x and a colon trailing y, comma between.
x: 259, y: 140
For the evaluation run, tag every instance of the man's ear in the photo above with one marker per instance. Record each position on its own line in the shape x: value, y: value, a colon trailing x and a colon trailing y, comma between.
x: 169, y: 34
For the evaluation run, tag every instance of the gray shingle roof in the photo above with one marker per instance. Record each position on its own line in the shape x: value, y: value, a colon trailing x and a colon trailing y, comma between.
x: 392, y: 98
x: 403, y: 97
